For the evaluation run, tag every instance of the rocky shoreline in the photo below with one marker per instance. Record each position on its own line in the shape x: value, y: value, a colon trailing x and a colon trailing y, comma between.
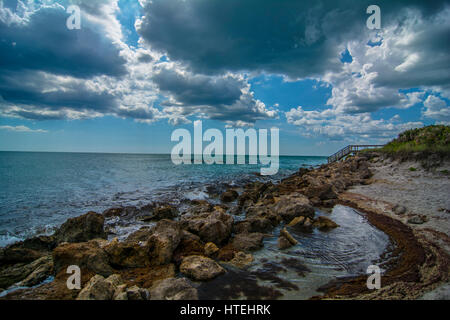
x: 167, y: 259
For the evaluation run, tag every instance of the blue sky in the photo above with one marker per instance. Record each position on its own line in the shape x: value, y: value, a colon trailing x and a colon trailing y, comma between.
x: 136, y: 71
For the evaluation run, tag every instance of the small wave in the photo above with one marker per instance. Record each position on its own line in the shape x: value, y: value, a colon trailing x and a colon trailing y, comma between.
x: 8, y: 239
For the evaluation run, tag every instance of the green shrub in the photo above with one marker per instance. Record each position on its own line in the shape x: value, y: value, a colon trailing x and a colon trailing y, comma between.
x: 430, y: 139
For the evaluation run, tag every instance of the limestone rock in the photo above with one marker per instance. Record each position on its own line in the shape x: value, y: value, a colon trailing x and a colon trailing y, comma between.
x: 87, y: 255
x: 200, y: 268
x: 127, y: 255
x: 210, y: 227
x: 83, y: 228
x: 211, y: 249
x: 255, y: 224
x: 288, y: 236
x: 293, y: 206
x: 164, y: 240
x: 173, y: 289
x: 241, y: 259
x: 99, y: 288
x: 136, y: 293
x: 248, y: 241
x: 324, y: 223
x: 229, y: 195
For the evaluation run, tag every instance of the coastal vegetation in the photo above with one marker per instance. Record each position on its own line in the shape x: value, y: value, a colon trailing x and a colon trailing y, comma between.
x: 427, y: 140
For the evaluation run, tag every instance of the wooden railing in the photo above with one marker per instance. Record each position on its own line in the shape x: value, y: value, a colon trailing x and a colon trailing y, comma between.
x: 350, y: 150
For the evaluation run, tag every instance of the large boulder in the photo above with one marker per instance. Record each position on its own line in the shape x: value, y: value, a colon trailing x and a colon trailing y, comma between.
x: 291, y: 206
x: 81, y: 229
x: 158, y: 212
x: 248, y: 241
x: 89, y: 256
x: 28, y: 274
x: 173, y: 289
x: 255, y: 224
x: 99, y: 288
x: 229, y: 195
x: 322, y: 191
x: 210, y: 227
x: 163, y: 241
x: 200, y: 268
x: 127, y: 255
x: 140, y: 235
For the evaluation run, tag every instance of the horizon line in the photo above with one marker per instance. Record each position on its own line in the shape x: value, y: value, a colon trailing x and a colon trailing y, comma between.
x: 138, y: 153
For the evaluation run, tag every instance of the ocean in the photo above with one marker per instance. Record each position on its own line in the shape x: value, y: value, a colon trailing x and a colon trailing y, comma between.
x: 41, y: 190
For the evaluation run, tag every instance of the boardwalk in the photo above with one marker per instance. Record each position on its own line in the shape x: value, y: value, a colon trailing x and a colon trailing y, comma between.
x: 351, y: 149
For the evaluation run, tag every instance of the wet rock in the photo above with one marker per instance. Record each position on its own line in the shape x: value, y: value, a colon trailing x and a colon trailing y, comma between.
x: 14, y: 255
x: 292, y: 206
x: 173, y: 289
x: 324, y: 223
x: 42, y: 269
x: 399, y: 209
x: 248, y: 241
x: 188, y: 247
x: 163, y: 241
x: 127, y: 255
x: 41, y: 244
x: 322, y: 191
x: 308, y: 223
x: 159, y: 212
x: 146, y: 277
x: 83, y: 228
x: 99, y: 288
x: 241, y: 259
x: 297, y: 221
x: 418, y: 220
x: 140, y: 235
x: 210, y: 227
x: 288, y: 236
x: 136, y: 293
x: 87, y: 255
x: 283, y: 243
x: 27, y: 273
x: 229, y: 196
x: 226, y: 253
x: 121, y: 212
x: 260, y: 210
x: 200, y: 268
x: 199, y: 207
x: 211, y: 249
x: 253, y: 225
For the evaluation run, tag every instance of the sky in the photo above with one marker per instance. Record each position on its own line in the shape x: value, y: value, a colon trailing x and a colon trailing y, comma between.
x: 136, y: 70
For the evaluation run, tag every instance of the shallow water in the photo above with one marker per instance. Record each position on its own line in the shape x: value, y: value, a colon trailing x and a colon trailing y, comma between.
x: 297, y: 272
x: 39, y: 190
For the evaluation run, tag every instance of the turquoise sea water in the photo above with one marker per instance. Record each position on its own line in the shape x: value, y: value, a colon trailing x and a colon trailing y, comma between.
x: 39, y: 190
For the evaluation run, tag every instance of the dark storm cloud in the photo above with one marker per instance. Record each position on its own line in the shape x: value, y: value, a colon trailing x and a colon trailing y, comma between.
x: 78, y: 98
x: 198, y: 89
x: 295, y: 38
x: 225, y: 97
x: 45, y: 44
